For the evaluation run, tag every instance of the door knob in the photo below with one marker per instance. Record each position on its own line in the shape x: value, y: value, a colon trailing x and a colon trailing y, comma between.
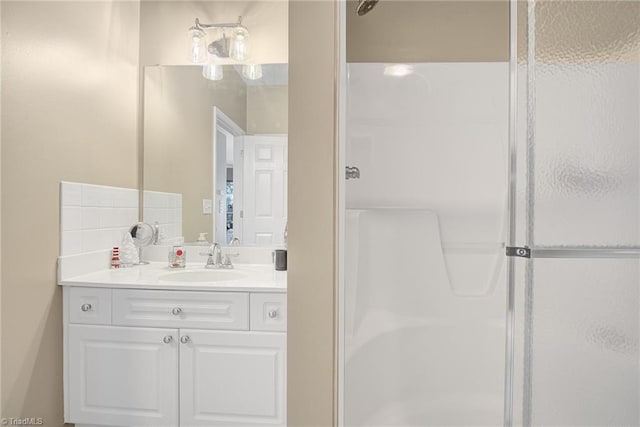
x: 167, y: 339
x: 85, y: 307
x: 184, y: 339
x: 176, y: 311
x: 272, y: 314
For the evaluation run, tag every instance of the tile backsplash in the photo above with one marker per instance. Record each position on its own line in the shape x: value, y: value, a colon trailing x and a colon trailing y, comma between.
x: 94, y: 217
x: 166, y: 210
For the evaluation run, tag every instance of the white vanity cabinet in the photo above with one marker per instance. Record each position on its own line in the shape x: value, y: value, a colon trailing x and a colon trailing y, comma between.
x: 122, y: 376
x: 231, y: 378
x: 174, y: 358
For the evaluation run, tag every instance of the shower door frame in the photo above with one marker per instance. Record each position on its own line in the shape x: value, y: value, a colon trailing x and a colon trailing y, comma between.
x: 511, y: 214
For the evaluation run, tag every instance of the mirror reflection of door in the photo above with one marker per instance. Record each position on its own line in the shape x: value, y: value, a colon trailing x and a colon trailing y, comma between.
x: 227, y: 182
x: 223, y: 179
x: 250, y: 185
x: 265, y: 189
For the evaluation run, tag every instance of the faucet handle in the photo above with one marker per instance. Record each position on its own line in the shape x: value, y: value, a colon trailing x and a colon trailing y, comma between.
x: 226, y: 261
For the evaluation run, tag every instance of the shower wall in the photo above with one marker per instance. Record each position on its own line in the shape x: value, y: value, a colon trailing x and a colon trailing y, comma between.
x: 424, y: 262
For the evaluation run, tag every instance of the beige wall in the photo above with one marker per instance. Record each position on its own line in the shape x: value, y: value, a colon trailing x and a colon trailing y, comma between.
x: 69, y: 100
x: 178, y: 129
x: 267, y: 109
x: 312, y: 223
x: 429, y: 31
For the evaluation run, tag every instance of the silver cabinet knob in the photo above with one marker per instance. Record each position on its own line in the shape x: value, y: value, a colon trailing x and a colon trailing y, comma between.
x: 167, y: 339
x: 184, y: 339
x: 272, y: 314
x: 85, y: 307
x: 176, y: 311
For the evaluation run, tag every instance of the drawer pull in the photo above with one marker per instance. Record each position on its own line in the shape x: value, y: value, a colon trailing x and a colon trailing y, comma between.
x: 184, y: 339
x: 272, y: 314
x: 176, y: 311
x: 85, y: 307
x: 167, y: 339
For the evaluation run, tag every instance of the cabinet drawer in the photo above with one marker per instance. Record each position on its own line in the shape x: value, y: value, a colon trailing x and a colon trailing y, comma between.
x: 208, y: 310
x: 90, y: 306
x: 268, y: 312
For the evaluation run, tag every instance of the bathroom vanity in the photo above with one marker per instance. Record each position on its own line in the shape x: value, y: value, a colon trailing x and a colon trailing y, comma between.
x: 195, y: 347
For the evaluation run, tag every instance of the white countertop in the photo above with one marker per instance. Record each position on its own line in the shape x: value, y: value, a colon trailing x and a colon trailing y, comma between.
x: 256, y: 278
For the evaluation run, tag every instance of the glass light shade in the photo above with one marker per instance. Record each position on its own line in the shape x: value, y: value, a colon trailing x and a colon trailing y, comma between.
x: 252, y: 71
x: 212, y: 72
x: 239, y: 45
x: 197, y: 39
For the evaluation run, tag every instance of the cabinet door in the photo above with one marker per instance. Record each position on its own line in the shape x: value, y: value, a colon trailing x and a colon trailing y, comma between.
x: 123, y: 376
x: 232, y: 378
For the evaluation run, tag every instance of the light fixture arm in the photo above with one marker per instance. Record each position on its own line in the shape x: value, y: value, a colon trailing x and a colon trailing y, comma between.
x: 201, y: 26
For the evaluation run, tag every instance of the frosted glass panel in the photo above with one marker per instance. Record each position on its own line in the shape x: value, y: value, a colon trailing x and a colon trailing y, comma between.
x: 584, y: 111
x: 586, y: 154
x: 585, y: 342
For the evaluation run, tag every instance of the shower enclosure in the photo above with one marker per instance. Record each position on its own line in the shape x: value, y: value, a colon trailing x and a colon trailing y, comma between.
x: 490, y: 239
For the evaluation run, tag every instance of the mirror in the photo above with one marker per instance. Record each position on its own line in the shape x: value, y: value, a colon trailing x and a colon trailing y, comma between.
x: 215, y: 154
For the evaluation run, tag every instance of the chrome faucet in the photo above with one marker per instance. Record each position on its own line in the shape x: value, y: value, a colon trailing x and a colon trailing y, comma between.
x: 214, y: 259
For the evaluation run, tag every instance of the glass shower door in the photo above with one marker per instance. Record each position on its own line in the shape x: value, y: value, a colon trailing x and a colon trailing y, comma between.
x: 579, y: 92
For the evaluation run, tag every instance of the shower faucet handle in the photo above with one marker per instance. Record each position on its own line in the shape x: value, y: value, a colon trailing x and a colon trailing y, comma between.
x: 352, y: 172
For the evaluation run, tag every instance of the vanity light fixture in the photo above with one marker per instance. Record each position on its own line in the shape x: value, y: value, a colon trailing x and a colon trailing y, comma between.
x: 230, y: 42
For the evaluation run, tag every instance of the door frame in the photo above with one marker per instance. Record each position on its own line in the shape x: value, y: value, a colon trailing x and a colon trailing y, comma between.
x: 224, y: 124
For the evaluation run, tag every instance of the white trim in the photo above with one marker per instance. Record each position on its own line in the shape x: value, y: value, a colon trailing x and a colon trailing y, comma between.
x: 227, y: 126
x: 224, y: 122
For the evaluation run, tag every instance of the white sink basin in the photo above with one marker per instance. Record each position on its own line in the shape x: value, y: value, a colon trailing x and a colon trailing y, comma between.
x: 203, y: 276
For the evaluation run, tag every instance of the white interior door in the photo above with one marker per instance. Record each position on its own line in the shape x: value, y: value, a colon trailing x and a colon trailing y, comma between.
x: 123, y: 376
x: 232, y: 378
x: 265, y: 189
